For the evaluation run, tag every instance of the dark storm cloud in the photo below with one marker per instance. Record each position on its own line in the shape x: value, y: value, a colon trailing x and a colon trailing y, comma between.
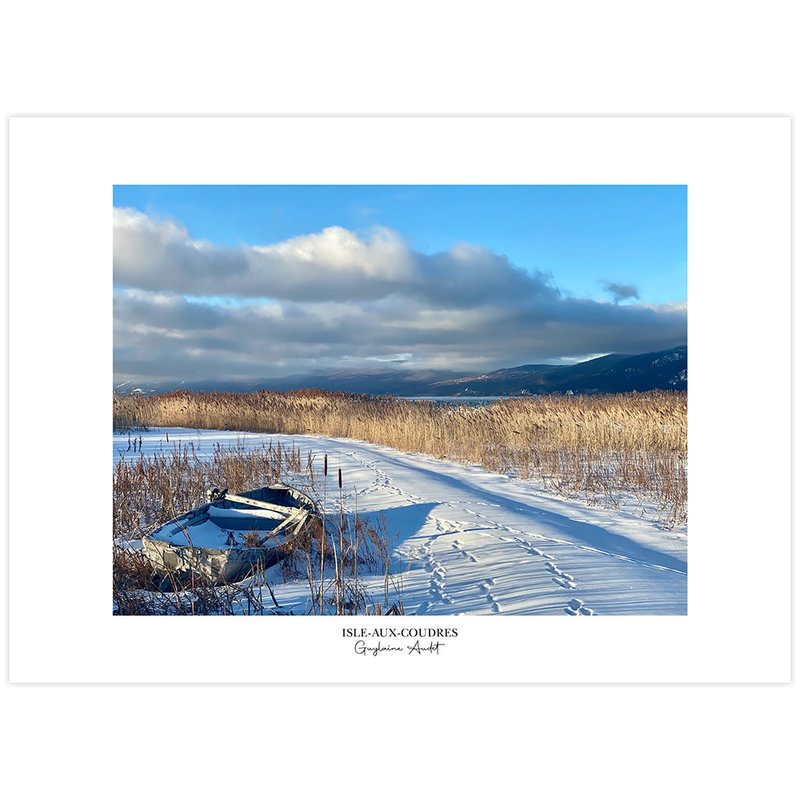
x: 621, y: 291
x: 335, y: 299
x: 164, y: 311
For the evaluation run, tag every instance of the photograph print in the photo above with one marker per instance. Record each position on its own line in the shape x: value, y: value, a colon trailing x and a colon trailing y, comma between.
x: 404, y: 400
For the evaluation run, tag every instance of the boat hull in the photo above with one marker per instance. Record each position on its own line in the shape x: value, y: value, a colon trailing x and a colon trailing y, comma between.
x: 216, y: 565
x: 229, y: 538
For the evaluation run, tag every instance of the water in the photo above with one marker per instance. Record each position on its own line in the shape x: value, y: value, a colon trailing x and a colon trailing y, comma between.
x: 456, y: 400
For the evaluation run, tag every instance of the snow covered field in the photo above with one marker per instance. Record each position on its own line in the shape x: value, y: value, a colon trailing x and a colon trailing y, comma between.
x: 473, y: 542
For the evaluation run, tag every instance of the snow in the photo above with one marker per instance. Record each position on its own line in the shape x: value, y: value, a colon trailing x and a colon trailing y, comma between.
x: 257, y: 514
x: 225, y: 527
x: 475, y: 542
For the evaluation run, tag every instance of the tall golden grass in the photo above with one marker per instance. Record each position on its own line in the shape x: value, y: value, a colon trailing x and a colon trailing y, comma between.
x: 151, y: 489
x: 605, y: 449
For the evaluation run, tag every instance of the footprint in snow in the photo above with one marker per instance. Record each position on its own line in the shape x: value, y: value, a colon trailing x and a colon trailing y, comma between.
x: 576, y: 607
x: 556, y: 571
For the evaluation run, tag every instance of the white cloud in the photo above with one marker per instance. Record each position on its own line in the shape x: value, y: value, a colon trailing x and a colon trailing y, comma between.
x: 333, y: 265
x: 335, y: 296
x: 382, y: 255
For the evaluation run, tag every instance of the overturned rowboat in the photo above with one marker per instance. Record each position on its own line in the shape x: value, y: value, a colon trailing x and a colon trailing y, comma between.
x: 230, y: 537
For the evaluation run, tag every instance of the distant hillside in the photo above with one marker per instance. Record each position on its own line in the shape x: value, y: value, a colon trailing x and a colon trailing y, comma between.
x: 612, y: 373
x: 608, y: 374
x: 375, y: 381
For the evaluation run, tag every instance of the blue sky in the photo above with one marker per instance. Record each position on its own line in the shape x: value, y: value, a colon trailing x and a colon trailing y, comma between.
x: 581, y: 234
x: 251, y: 282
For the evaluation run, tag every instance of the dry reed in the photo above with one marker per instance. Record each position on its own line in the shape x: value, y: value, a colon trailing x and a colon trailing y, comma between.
x: 604, y: 449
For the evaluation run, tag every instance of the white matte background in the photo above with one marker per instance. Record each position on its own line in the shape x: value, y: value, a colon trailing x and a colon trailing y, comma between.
x: 617, y: 58
x: 63, y: 171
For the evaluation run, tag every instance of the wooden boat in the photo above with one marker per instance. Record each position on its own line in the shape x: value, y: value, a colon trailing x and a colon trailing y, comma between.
x: 231, y: 536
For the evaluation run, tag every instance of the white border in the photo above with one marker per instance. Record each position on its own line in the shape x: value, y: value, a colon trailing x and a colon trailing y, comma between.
x: 61, y: 175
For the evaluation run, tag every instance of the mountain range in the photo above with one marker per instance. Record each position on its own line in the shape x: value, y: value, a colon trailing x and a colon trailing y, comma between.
x: 611, y: 373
